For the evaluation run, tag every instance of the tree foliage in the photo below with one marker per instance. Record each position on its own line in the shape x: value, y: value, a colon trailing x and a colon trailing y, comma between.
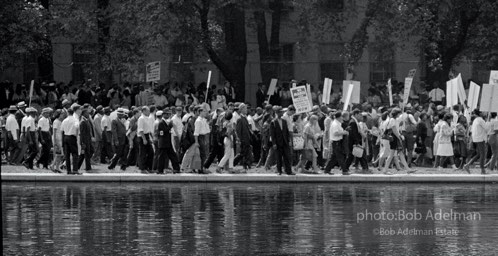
x: 22, y: 32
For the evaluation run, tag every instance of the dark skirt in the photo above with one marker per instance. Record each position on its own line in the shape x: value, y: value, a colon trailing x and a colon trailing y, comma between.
x: 460, y: 148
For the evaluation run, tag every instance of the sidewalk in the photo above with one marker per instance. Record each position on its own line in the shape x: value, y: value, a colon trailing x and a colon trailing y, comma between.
x: 100, y: 173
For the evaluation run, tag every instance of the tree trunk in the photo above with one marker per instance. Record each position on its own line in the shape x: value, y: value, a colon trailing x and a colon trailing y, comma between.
x: 269, y: 52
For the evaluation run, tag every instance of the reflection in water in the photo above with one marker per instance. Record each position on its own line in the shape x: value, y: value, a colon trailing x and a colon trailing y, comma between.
x: 238, y: 219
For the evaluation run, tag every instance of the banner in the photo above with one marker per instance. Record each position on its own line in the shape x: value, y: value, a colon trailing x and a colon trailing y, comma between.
x: 355, y: 96
x: 349, y: 94
x: 473, y: 96
x: 300, y: 99
x: 462, y: 96
x: 153, y: 71
x: 408, y: 86
x: 493, y: 77
x: 273, y: 85
x: 488, y: 98
x: 451, y: 93
x: 390, y: 89
x: 327, y: 87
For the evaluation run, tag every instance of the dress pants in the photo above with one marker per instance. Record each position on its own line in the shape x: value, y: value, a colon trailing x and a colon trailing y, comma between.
x: 480, y: 153
x: 32, y: 151
x: 45, y: 150
x: 245, y: 156
x: 120, y: 154
x: 87, y: 157
x: 145, y: 154
x: 71, y: 150
x: 203, y: 146
x: 338, y: 157
x: 106, y: 146
x: 156, y: 155
x: 215, y: 152
x: 167, y: 155
x: 283, y: 155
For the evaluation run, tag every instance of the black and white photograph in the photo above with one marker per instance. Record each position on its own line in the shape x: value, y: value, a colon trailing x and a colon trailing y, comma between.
x: 249, y: 127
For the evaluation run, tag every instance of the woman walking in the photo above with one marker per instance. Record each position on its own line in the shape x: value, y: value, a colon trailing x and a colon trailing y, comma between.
x: 395, y: 141
x: 445, y: 148
x: 310, y: 142
x: 227, y: 133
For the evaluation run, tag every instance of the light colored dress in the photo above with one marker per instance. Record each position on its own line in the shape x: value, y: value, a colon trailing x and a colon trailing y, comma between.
x: 444, y: 148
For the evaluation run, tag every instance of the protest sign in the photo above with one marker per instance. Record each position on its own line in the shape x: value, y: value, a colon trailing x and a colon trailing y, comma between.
x: 473, y: 96
x: 153, y: 71
x: 451, y: 93
x: 355, y: 96
x: 327, y: 87
x: 406, y: 92
x: 390, y: 89
x: 488, y: 98
x: 207, y: 85
x: 493, y: 77
x: 462, y: 96
x: 300, y: 99
x: 411, y: 73
x: 31, y: 88
x: 308, y: 88
x: 349, y: 94
x: 273, y: 85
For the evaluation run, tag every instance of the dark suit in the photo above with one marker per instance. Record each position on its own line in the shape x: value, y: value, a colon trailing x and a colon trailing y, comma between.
x: 120, y: 143
x: 280, y: 138
x: 243, y: 130
x: 354, y: 138
x: 260, y: 98
x: 86, y: 131
x: 165, y: 145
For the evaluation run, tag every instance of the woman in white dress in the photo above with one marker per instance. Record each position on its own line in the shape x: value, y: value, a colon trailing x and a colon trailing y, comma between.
x: 437, y: 135
x: 445, y: 147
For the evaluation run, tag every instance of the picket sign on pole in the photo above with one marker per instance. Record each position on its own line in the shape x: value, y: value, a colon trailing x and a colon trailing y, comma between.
x: 488, y: 98
x: 451, y: 93
x: 462, y: 96
x: 300, y: 99
x: 207, y: 86
x: 390, y: 89
x: 327, y: 87
x: 308, y: 88
x: 31, y: 88
x: 493, y: 77
x: 271, y: 89
x: 348, y: 96
x: 473, y: 96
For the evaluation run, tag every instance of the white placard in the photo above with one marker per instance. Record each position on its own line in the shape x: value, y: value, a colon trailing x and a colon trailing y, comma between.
x: 390, y: 89
x: 209, y: 79
x: 488, y: 98
x: 31, y: 89
x: 273, y: 85
x: 474, y: 90
x: 300, y: 99
x: 308, y: 88
x: 408, y: 86
x: 493, y: 77
x: 327, y: 87
x: 349, y: 94
x: 355, y: 96
x: 462, y: 96
x: 294, y: 84
x: 451, y: 93
x: 153, y: 71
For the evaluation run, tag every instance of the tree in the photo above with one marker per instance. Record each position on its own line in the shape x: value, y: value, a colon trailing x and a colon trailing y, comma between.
x: 23, y: 32
x: 447, y: 31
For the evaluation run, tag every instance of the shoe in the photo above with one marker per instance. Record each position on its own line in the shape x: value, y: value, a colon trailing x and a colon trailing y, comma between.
x: 110, y: 168
x: 291, y: 173
x: 123, y: 168
x: 346, y: 173
x: 388, y: 173
x: 466, y: 168
x: 160, y: 173
x: 483, y: 172
x: 411, y: 171
x: 366, y: 171
x: 77, y: 173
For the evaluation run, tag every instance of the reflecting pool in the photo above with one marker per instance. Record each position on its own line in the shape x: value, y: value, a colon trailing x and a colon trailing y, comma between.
x: 242, y: 219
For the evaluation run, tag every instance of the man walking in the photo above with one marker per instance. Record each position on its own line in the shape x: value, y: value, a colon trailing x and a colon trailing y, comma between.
x: 85, y: 134
x: 31, y: 137
x: 243, y: 131
x: 355, y: 138
x: 119, y: 141
x: 280, y: 138
x: 45, y: 138
x: 165, y: 145
x: 70, y: 131
x: 336, y: 136
x: 144, y: 133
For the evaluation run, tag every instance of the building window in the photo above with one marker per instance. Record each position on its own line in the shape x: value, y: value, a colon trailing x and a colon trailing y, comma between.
x: 83, y: 62
x: 334, y: 71
x: 381, y: 64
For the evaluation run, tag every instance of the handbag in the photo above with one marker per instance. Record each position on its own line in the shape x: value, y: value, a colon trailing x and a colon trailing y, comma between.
x: 297, y: 141
x: 358, y: 151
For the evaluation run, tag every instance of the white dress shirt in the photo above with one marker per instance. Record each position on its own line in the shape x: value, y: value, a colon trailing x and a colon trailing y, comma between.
x: 105, y: 124
x: 12, y: 125
x: 336, y: 127
x: 144, y: 125
x: 201, y: 126
x: 479, y: 132
x: 177, y: 125
x: 44, y: 124
x: 71, y: 125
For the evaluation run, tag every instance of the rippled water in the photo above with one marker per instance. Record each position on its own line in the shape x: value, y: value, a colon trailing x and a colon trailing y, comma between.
x: 242, y: 219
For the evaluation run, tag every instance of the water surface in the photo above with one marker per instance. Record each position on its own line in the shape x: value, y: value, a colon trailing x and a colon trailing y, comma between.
x: 242, y: 219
